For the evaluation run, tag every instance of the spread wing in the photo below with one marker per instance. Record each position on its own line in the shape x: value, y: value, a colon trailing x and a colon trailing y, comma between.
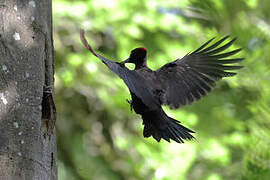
x: 132, y: 79
x: 192, y: 77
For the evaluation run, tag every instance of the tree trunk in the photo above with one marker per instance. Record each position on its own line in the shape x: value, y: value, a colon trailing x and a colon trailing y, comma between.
x: 27, y: 111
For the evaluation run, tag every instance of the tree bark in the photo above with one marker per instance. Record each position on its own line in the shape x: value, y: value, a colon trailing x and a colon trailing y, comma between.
x: 27, y: 111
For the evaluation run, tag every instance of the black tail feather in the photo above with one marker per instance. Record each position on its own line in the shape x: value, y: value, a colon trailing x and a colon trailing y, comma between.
x: 160, y: 126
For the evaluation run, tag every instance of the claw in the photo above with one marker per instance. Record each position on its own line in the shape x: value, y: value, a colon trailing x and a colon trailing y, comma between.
x: 128, y: 101
x: 130, y: 104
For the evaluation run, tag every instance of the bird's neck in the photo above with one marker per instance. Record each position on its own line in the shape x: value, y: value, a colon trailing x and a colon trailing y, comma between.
x: 140, y: 64
x: 138, y: 67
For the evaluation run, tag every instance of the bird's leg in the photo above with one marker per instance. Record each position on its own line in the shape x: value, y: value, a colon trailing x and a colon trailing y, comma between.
x: 130, y: 104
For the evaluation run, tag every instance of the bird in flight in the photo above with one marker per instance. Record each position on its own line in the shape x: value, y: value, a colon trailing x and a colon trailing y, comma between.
x: 175, y: 84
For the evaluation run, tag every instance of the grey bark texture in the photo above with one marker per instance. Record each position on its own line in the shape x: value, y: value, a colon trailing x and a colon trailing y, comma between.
x: 27, y: 112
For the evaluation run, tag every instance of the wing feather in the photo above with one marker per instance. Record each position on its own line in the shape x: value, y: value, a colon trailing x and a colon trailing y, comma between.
x: 214, y: 45
x: 192, y: 77
x: 205, y: 44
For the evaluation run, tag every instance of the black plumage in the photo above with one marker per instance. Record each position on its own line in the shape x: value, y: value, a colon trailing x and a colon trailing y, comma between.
x: 175, y: 84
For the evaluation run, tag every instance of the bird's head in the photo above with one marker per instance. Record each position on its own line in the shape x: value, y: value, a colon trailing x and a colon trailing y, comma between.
x: 137, y: 56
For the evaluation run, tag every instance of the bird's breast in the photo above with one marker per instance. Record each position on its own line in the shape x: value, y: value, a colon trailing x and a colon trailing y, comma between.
x: 148, y: 75
x: 152, y: 82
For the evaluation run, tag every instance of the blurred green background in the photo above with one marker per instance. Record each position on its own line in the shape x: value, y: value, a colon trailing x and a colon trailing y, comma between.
x: 99, y: 138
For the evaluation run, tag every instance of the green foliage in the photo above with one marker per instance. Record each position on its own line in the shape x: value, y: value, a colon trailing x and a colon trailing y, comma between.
x: 98, y: 136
